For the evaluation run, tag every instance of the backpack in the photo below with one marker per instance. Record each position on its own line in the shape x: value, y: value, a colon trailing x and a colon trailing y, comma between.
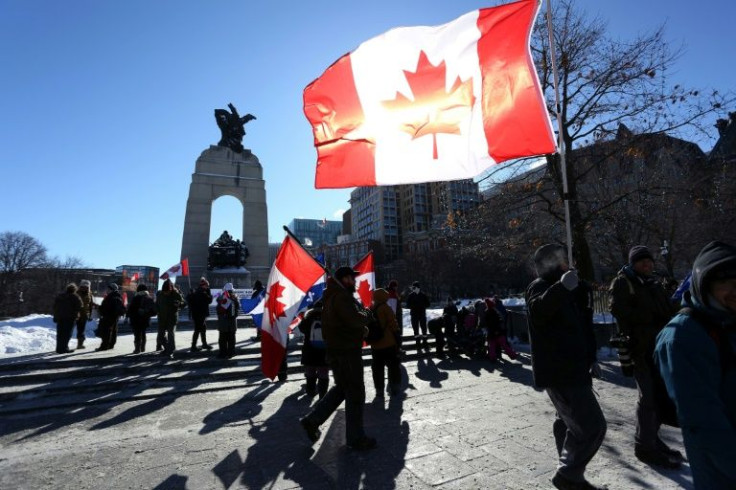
x: 375, y: 331
x: 665, y: 407
x: 315, y: 335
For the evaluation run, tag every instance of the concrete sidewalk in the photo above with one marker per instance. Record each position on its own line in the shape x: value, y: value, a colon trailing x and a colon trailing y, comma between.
x: 464, y: 424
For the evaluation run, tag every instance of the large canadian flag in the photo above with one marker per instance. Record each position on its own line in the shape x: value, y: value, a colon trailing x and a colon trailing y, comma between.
x: 365, y: 281
x: 292, y: 275
x: 422, y: 104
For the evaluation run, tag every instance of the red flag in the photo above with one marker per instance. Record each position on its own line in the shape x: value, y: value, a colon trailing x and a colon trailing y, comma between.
x: 134, y: 277
x: 174, y: 270
x: 365, y: 282
x: 292, y: 274
x: 423, y: 104
x: 185, y: 267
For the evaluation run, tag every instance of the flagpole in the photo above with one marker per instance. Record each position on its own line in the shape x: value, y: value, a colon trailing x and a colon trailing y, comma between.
x: 296, y: 239
x: 560, y: 144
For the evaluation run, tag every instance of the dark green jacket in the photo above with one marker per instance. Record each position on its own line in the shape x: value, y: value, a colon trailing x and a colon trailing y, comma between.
x: 168, y: 304
x: 343, y: 319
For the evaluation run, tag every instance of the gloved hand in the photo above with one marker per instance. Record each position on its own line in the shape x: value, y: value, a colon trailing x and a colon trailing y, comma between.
x: 570, y: 280
x: 595, y: 370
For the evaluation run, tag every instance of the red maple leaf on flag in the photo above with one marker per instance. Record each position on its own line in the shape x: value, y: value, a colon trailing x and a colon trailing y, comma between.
x: 364, y: 291
x: 434, y: 109
x: 275, y: 307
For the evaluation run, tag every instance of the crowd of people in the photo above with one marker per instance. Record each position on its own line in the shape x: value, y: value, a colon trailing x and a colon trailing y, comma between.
x: 682, y: 350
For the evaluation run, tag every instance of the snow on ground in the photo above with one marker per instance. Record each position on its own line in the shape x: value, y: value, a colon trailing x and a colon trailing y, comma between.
x: 35, y: 334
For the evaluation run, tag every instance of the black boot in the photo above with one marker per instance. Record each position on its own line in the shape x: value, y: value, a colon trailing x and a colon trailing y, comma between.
x: 311, y: 385
x: 222, y: 354
x: 205, y: 345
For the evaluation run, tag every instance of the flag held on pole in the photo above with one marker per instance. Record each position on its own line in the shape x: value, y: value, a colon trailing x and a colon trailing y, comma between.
x: 422, y: 104
x: 180, y: 269
x: 293, y: 273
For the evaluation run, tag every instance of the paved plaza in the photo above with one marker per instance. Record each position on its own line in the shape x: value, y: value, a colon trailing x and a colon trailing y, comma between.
x: 111, y: 421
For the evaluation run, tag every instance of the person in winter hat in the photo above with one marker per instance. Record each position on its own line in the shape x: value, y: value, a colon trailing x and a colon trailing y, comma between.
x: 85, y: 314
x: 139, y: 314
x: 385, y: 351
x: 111, y: 309
x: 67, y: 306
x: 642, y: 308
x: 563, y: 352
x: 314, y: 352
x: 168, y: 303
x: 695, y: 356
x: 418, y: 302
x: 228, y: 306
x: 199, y: 302
x: 496, y: 333
x: 344, y: 326
x: 258, y: 288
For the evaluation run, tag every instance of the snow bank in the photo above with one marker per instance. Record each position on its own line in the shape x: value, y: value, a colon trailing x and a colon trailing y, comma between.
x: 33, y: 334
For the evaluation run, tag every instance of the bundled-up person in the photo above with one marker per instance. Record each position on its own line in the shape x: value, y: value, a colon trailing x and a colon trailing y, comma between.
x: 168, y: 303
x: 67, y: 306
x: 695, y: 355
x: 85, y: 314
x: 642, y: 307
x: 496, y: 333
x: 139, y: 314
x: 199, y: 302
x: 314, y: 352
x: 228, y: 306
x: 563, y: 354
x: 394, y: 302
x: 385, y: 350
x: 111, y: 309
x: 418, y: 302
x: 345, y: 325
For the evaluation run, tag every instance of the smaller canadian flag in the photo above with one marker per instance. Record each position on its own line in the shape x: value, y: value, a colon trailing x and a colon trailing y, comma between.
x: 180, y: 269
x: 134, y: 277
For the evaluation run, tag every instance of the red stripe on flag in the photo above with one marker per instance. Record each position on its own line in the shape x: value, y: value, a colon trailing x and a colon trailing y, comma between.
x: 272, y: 354
x: 185, y: 267
x: 514, y: 112
x: 297, y: 265
x: 333, y: 108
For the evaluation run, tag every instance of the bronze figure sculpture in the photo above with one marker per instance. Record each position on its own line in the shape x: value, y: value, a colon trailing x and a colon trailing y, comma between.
x: 232, y: 127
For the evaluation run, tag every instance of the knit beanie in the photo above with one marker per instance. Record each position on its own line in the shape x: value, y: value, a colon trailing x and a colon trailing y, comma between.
x: 639, y: 252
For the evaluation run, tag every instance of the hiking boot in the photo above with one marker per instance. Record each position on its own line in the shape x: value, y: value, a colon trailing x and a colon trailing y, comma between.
x: 365, y: 443
x: 311, y: 429
x: 655, y: 457
x: 206, y: 346
x: 80, y: 345
x: 137, y: 351
x: 564, y: 483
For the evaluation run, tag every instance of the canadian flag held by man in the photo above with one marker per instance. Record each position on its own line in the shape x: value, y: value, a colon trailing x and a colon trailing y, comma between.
x: 423, y: 104
x: 293, y: 273
x: 365, y: 281
x: 180, y: 269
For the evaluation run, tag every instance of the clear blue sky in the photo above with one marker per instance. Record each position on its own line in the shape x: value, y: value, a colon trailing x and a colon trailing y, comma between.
x: 105, y: 105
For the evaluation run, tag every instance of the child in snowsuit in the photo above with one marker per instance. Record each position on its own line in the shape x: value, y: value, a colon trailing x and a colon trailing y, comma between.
x: 228, y: 305
x: 496, y: 333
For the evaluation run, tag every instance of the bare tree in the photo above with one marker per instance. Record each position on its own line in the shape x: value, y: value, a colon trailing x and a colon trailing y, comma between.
x: 604, y: 82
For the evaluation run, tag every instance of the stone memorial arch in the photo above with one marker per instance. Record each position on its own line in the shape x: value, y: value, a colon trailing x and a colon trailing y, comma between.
x: 224, y: 171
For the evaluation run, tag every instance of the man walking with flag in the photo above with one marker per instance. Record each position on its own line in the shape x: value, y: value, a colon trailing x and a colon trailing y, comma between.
x: 344, y: 326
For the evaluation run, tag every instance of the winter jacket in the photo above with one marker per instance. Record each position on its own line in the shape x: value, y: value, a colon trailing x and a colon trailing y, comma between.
x: 87, y: 302
x: 67, y: 306
x: 386, y: 319
x: 199, y: 302
x: 168, y: 304
x: 228, y: 305
x: 562, y: 339
x: 141, y: 309
x: 494, y: 323
x: 112, y: 306
x: 343, y: 319
x: 417, y: 302
x: 394, y: 302
x: 641, y: 308
x: 703, y: 390
x: 312, y: 355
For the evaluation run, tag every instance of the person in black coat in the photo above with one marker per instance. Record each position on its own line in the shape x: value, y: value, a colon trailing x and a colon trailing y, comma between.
x: 139, y: 313
x: 67, y: 307
x: 314, y: 353
x: 563, y: 354
x: 199, y: 302
x: 111, y: 309
x: 418, y: 302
